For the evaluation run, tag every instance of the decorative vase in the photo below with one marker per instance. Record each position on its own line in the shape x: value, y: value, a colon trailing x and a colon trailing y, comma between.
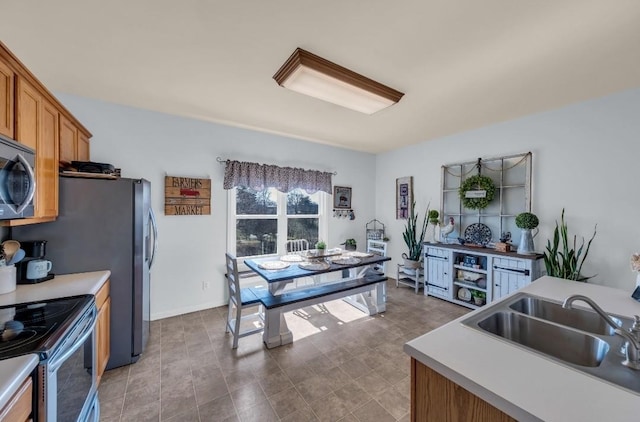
x: 526, y: 242
x: 410, y: 263
x: 479, y: 301
x: 430, y: 236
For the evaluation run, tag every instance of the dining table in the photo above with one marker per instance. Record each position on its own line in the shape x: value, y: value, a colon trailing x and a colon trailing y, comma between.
x: 332, y: 266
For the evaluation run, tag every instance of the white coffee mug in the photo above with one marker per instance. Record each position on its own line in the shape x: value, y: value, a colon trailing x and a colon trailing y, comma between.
x: 38, y: 268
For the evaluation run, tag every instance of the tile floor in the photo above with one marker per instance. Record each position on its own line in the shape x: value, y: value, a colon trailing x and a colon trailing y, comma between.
x: 343, y: 366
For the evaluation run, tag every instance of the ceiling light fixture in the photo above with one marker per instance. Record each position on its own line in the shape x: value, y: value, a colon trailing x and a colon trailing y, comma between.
x: 312, y: 75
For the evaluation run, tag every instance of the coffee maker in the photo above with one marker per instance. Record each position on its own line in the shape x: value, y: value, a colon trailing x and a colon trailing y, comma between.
x: 34, y: 268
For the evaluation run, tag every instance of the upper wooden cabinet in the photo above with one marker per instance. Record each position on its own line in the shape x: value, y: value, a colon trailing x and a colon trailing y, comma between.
x: 37, y: 128
x: 74, y: 144
x: 31, y: 115
x: 7, y: 105
x: 83, y: 147
x: 68, y: 140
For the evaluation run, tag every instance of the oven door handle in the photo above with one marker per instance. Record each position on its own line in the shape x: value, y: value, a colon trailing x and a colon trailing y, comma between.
x: 32, y: 184
x: 57, y: 361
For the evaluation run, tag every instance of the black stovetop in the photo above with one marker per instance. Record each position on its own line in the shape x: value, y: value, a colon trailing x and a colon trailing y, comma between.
x: 36, y: 327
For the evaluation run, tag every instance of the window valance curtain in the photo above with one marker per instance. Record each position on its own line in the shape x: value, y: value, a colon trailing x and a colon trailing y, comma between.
x: 285, y: 179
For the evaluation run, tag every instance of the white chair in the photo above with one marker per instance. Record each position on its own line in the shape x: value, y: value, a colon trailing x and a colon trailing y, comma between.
x: 378, y: 247
x: 297, y: 245
x: 238, y: 299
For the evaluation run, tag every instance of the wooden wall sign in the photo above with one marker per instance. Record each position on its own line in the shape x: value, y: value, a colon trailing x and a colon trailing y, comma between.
x: 187, y: 196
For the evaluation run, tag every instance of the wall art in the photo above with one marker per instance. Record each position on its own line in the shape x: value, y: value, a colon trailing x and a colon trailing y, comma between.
x: 404, y: 197
x: 187, y: 196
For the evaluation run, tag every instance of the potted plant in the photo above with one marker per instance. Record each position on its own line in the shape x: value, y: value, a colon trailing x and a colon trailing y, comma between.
x: 431, y: 236
x: 527, y: 222
x: 478, y: 296
x: 350, y: 244
x: 566, y: 262
x: 321, y: 246
x: 414, y: 237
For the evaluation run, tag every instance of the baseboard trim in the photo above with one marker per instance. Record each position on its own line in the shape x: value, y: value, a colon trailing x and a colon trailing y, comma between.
x: 185, y: 310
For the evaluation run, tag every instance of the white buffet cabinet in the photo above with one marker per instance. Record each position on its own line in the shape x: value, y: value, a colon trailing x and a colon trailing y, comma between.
x: 449, y: 268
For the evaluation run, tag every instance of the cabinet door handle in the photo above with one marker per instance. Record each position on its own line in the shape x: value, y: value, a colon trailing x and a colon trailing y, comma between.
x: 444, y: 258
x: 513, y: 270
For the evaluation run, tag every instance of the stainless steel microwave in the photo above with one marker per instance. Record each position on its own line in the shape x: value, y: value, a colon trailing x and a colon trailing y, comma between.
x: 17, y: 180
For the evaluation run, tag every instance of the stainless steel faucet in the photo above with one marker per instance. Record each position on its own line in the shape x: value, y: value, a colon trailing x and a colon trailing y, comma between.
x: 633, y: 346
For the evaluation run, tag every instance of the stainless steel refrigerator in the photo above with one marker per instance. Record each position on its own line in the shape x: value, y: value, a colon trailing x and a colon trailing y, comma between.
x: 106, y: 224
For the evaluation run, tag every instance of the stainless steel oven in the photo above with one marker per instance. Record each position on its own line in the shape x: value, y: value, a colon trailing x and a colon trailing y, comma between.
x: 61, y: 331
x: 67, y: 385
x: 17, y: 180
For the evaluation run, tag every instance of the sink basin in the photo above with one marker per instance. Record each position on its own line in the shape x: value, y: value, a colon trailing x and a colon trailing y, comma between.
x: 568, y: 345
x: 584, y: 320
x: 573, y: 338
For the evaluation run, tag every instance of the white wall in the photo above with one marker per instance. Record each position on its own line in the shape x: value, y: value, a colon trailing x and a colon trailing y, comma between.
x: 191, y: 248
x: 585, y: 159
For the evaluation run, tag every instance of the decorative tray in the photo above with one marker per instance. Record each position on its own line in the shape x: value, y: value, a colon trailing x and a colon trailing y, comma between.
x: 357, y: 254
x: 273, y: 265
x: 464, y: 294
x: 346, y: 260
x: 291, y: 258
x: 314, y: 265
x: 477, y: 233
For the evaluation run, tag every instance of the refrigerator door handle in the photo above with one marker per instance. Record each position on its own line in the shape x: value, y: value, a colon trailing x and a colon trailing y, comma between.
x: 154, y: 227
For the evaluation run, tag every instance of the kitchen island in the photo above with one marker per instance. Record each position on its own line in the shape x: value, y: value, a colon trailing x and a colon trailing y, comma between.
x: 524, y: 385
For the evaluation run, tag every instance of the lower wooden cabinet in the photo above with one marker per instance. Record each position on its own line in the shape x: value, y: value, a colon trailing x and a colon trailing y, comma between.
x: 103, y: 302
x: 20, y: 406
x: 437, y: 398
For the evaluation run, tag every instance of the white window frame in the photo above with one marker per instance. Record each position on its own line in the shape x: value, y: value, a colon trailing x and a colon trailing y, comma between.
x: 281, y: 217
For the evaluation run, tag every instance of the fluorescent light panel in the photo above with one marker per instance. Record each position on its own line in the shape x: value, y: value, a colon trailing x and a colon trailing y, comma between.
x: 312, y: 75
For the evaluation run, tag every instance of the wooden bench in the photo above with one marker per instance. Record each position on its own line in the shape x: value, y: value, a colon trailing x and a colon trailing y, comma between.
x: 323, y: 293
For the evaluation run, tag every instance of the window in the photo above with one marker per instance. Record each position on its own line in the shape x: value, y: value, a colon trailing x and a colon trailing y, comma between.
x: 260, y: 222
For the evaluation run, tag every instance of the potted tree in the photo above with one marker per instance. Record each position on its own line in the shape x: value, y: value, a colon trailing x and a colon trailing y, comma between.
x: 414, y: 237
x: 434, y: 225
x: 561, y: 258
x: 527, y: 222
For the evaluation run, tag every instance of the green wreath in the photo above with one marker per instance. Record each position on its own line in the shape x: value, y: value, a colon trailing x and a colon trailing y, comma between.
x: 477, y: 182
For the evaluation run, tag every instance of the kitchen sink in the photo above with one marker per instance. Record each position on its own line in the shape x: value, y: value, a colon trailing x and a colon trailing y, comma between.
x: 575, y: 347
x: 574, y: 338
x: 577, y: 318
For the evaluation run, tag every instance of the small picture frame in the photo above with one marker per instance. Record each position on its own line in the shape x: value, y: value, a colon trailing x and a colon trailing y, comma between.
x: 341, y: 197
x: 404, y: 197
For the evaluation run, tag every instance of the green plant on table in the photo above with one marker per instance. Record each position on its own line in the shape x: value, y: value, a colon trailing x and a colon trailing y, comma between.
x: 321, y: 245
x: 527, y: 220
x: 350, y: 242
x: 561, y: 258
x: 414, y: 235
x: 433, y: 217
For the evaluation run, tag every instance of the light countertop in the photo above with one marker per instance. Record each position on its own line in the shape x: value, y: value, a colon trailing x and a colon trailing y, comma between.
x: 523, y: 384
x: 61, y: 286
x: 13, y: 372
